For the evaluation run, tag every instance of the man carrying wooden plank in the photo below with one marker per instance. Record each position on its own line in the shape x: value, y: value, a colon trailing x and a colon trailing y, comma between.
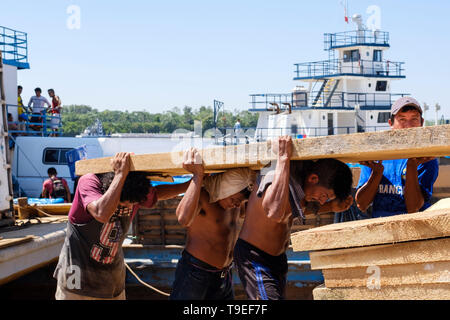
x: 209, y: 209
x: 91, y: 263
x: 403, y: 185
x: 278, y: 197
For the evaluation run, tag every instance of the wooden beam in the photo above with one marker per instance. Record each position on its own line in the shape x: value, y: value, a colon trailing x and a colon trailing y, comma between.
x: 407, y: 292
x: 424, y: 251
x: 392, y: 144
x: 6, y: 243
x: 361, y: 233
x: 394, y: 275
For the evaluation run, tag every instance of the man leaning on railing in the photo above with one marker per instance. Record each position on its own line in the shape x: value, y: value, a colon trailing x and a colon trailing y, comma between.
x: 38, y: 110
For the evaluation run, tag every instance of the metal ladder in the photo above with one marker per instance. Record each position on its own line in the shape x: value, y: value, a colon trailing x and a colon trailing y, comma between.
x: 4, y: 135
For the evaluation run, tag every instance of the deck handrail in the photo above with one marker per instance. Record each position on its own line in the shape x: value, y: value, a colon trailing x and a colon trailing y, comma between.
x: 355, y: 37
x: 25, y: 128
x: 336, y: 67
x: 14, y: 45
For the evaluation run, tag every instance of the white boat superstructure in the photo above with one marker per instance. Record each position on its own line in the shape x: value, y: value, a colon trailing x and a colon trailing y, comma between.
x: 350, y: 92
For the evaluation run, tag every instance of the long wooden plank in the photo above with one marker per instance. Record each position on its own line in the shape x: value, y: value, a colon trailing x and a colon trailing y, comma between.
x: 425, y: 251
x: 6, y: 243
x: 407, y: 292
x: 399, y: 228
x: 391, y: 144
x: 395, y: 275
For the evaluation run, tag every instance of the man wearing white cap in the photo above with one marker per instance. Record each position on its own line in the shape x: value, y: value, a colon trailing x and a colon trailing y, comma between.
x: 209, y: 209
x: 398, y: 186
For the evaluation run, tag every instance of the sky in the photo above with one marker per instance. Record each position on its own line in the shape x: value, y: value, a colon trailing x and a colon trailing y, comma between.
x: 155, y: 55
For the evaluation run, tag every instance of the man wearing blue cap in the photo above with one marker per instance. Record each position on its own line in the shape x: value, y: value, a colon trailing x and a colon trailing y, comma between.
x: 398, y: 186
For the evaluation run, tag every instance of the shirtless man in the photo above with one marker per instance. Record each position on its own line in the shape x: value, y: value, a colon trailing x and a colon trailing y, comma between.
x: 209, y: 209
x: 260, y: 251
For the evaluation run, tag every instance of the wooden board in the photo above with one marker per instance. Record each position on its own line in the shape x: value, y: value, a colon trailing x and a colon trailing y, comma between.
x: 399, y: 228
x: 5, y: 243
x: 391, y: 144
x: 425, y: 251
x: 407, y: 292
x: 393, y: 275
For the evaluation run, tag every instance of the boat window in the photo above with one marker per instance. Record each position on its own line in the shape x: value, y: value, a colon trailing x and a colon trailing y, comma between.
x: 377, y: 55
x: 62, y: 156
x: 55, y: 156
x: 381, y: 86
x: 383, y: 117
x: 351, y: 55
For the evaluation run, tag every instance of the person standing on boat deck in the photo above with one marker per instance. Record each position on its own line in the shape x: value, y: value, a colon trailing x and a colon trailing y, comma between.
x: 21, y: 112
x: 38, y: 102
x: 91, y: 263
x: 279, y: 196
x: 56, y: 112
x: 209, y: 209
x: 55, y: 187
x: 398, y: 186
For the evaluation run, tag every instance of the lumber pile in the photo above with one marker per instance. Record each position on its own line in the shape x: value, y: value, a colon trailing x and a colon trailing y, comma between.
x: 400, y: 257
x: 431, y: 141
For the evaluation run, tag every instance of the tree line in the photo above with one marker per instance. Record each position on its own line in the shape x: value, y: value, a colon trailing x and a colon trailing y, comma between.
x: 76, y: 118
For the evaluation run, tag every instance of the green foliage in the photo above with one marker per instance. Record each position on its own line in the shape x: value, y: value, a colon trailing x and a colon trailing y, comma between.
x: 76, y: 118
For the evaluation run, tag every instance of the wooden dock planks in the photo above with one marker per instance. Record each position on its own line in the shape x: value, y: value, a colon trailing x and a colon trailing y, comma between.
x: 431, y: 141
x: 400, y: 257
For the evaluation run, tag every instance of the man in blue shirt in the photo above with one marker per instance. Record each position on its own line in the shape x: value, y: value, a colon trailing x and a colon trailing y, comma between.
x: 398, y: 186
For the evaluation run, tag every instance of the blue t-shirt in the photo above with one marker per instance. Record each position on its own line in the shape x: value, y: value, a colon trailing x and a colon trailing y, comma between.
x: 390, y: 199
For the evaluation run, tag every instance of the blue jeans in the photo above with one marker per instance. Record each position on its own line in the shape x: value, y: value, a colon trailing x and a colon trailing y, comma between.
x: 197, y: 280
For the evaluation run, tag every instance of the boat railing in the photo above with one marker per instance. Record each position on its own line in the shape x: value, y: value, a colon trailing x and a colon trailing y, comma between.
x: 341, y: 67
x: 356, y: 38
x: 317, y: 99
x: 14, y: 46
x: 33, y: 124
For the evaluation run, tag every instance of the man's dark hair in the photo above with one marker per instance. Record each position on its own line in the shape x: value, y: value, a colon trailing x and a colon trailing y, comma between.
x: 52, y: 171
x: 51, y: 90
x: 19, y: 87
x: 246, y: 193
x: 404, y: 109
x: 38, y: 89
x: 333, y: 174
x: 135, y: 188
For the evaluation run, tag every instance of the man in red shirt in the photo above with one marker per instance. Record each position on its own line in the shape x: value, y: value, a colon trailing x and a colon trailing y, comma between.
x: 55, y: 187
x: 91, y: 264
x: 55, y: 112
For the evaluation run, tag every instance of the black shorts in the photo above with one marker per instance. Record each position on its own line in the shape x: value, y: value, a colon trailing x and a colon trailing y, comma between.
x: 262, y: 275
x: 197, y: 280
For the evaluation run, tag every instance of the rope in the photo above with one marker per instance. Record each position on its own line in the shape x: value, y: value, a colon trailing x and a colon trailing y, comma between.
x: 145, y: 284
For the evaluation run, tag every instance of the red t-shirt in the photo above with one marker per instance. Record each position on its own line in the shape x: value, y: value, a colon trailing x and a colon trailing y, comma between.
x: 89, y: 189
x: 48, y: 185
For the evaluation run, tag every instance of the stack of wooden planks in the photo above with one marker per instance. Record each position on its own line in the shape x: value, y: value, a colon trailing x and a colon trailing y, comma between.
x: 400, y: 257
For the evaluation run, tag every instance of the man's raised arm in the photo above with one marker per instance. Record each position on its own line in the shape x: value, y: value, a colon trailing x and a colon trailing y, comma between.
x: 188, y: 207
x: 275, y: 199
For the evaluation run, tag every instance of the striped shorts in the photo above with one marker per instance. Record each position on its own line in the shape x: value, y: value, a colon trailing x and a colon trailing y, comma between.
x: 262, y: 275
